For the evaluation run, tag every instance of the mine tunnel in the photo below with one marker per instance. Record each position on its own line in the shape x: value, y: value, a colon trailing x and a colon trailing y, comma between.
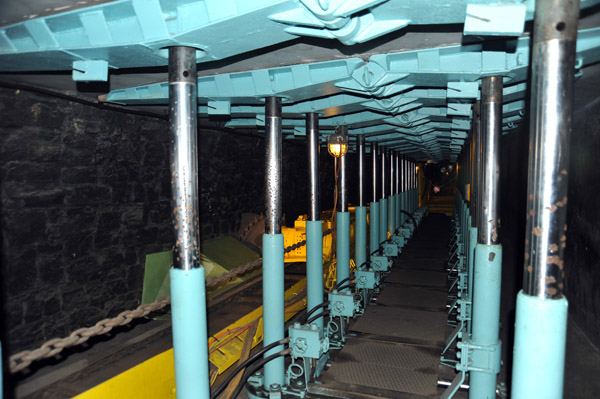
x: 300, y: 199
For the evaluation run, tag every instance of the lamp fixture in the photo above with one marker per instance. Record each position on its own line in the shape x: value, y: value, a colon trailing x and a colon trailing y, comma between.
x: 337, y: 143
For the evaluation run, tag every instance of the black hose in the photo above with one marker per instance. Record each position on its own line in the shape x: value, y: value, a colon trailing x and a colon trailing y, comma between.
x: 343, y: 287
x: 248, y: 361
x: 256, y: 367
x: 341, y: 282
x: 313, y: 310
x: 365, y: 263
x: 317, y: 316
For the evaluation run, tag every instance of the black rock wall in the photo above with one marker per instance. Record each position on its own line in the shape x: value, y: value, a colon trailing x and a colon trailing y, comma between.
x: 582, y: 255
x: 85, y: 196
x: 84, y: 199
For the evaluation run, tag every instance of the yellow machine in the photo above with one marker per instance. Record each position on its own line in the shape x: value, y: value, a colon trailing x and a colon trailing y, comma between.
x: 155, y: 378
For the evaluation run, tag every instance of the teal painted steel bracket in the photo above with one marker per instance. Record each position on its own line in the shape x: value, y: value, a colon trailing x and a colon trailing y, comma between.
x: 472, y: 357
x: 398, y: 240
x: 135, y: 33
x: 350, y: 22
x: 381, y: 263
x: 405, y: 232
x: 366, y: 279
x: 501, y: 19
x: 341, y: 304
x: 454, y: 386
x: 308, y: 341
x: 222, y: 107
x: 463, y: 317
x: 188, y: 316
x: 462, y: 276
x: 419, y: 102
x: 90, y: 71
x: 481, y: 358
x: 389, y: 249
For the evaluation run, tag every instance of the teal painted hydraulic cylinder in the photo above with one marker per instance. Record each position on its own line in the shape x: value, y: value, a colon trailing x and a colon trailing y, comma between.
x: 398, y: 208
x: 471, y: 257
x: 314, y: 265
x: 373, y: 227
x: 486, y: 315
x: 360, y: 241
x: 383, y: 222
x: 391, y: 223
x: 471, y: 265
x: 539, y: 351
x: 273, y: 305
x: 190, y: 340
x: 403, y: 207
x: 343, y: 246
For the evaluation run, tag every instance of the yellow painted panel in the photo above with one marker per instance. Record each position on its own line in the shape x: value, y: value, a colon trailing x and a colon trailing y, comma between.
x: 155, y: 378
x: 152, y: 379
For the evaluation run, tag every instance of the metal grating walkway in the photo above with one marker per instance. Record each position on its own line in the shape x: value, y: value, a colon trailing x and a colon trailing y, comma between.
x: 393, y: 350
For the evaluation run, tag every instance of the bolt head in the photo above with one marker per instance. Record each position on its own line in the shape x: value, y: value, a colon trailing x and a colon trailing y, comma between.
x: 274, y: 387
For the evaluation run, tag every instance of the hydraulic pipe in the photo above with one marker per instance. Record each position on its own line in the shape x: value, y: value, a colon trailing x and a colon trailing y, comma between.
x: 360, y: 249
x: 343, y: 226
x: 184, y: 156
x: 314, y: 226
x: 416, y: 184
x: 342, y: 188
x: 188, y: 296
x: 410, y: 187
x: 398, y: 204
x: 360, y: 149
x: 383, y: 209
x: 541, y: 319
x: 312, y: 137
x: 383, y: 172
x: 403, y: 189
x: 491, y: 126
x: 475, y: 166
x: 374, y: 205
x: 488, y: 251
x: 413, y: 176
x: 391, y: 224
x: 273, y: 268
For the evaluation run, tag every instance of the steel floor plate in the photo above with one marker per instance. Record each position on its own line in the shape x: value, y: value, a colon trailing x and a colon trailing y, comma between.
x: 426, y: 278
x: 420, y: 297
x: 428, y: 263
x: 386, y: 366
x: 420, y: 325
